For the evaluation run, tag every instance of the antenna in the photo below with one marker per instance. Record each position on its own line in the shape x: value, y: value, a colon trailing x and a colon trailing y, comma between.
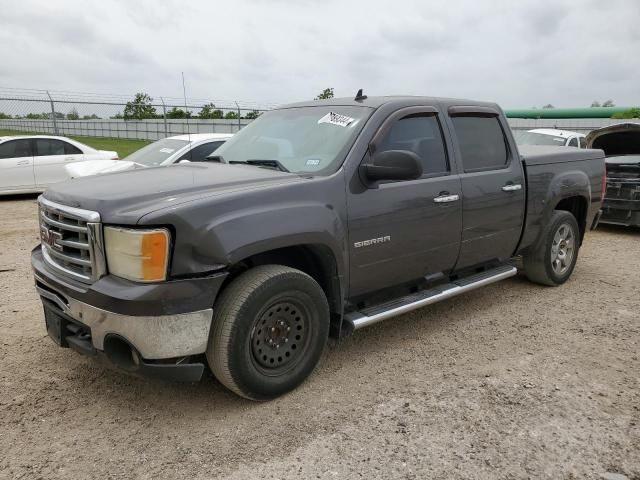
x: 359, y: 96
x: 186, y: 113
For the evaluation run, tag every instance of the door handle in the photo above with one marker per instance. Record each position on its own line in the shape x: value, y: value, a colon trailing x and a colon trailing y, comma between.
x: 446, y: 198
x: 68, y: 159
x: 512, y: 187
x: 23, y: 162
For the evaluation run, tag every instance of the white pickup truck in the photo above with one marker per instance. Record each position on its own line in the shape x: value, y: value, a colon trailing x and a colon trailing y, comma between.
x: 551, y: 136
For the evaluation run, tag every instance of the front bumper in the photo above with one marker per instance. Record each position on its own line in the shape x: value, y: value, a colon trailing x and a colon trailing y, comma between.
x: 164, y: 324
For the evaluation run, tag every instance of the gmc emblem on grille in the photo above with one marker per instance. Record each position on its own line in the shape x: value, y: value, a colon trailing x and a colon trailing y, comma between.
x: 51, y: 237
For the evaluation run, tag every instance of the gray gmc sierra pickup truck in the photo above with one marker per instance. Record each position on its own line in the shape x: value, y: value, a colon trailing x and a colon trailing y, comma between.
x: 315, y: 220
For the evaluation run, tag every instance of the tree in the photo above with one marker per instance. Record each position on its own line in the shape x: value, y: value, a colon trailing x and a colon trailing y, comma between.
x: 209, y: 111
x: 178, y: 113
x: 4, y: 116
x: 140, y: 108
x: 608, y: 103
x: 326, y: 93
x: 93, y: 116
x: 37, y: 116
x: 631, y: 113
x: 231, y: 115
x: 252, y: 115
x: 595, y: 104
x: 73, y: 115
x: 548, y: 105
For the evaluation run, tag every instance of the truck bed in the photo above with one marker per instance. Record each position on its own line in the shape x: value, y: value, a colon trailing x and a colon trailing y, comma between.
x: 545, y: 155
x: 547, y: 177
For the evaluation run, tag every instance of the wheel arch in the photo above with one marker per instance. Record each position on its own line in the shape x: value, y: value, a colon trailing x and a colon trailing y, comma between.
x: 578, y: 206
x: 315, y: 259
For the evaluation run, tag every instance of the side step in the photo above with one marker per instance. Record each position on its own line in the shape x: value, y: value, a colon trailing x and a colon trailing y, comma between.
x: 377, y: 313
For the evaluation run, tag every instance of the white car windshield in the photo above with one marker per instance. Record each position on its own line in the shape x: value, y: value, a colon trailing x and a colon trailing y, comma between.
x: 157, y: 152
x: 532, y: 138
x: 311, y: 140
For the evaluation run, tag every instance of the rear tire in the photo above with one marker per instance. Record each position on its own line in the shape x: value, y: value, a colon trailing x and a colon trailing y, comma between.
x: 270, y: 326
x: 553, y: 259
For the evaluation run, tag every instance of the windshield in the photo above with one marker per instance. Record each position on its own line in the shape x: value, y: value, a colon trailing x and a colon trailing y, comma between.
x: 312, y: 140
x: 157, y: 152
x: 532, y: 138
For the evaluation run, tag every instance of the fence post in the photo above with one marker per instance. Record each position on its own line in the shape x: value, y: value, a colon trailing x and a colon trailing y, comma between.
x: 238, y: 107
x: 164, y: 117
x: 53, y: 114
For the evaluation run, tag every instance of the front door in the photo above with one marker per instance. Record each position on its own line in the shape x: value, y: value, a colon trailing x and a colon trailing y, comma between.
x: 493, y: 186
x: 403, y: 230
x: 16, y: 165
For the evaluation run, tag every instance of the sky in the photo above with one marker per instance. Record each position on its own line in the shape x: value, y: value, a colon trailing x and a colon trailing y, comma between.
x: 517, y: 53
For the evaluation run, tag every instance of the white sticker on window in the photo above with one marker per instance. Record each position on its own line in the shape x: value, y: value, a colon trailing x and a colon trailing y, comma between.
x: 336, y: 119
x: 313, y: 162
x: 167, y: 150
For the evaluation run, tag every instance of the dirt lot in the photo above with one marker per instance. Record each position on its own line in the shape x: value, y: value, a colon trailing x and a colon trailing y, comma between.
x: 511, y: 381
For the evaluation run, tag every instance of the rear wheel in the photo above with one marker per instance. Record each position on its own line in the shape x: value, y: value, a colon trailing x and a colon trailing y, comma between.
x: 269, y: 328
x: 553, y: 259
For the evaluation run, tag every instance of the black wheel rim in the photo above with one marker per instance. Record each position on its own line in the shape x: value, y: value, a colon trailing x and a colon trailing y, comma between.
x: 280, y: 336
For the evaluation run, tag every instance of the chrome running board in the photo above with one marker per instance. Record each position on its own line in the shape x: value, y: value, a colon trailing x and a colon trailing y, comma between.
x: 377, y: 313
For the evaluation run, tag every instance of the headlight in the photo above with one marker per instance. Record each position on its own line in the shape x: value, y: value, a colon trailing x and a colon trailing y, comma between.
x: 138, y: 255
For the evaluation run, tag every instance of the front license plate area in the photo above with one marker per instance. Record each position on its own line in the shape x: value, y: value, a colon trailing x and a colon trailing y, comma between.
x: 56, y: 325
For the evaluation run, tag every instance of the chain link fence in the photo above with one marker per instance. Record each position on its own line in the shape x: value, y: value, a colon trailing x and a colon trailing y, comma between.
x: 118, y: 116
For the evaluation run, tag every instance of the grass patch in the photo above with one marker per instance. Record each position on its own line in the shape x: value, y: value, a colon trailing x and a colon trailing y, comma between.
x: 124, y: 146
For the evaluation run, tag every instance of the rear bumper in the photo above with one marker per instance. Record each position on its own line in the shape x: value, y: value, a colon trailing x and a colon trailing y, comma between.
x: 159, y: 327
x: 621, y: 212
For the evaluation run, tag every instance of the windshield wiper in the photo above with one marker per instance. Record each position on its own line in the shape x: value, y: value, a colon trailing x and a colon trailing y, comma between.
x: 275, y: 164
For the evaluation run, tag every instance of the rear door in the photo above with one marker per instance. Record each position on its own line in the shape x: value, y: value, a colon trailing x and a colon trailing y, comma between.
x: 51, y: 156
x: 402, y: 230
x: 493, y: 185
x: 16, y: 164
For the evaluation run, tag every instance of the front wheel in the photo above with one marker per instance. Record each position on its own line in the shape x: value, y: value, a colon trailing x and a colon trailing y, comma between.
x: 553, y: 259
x: 269, y: 328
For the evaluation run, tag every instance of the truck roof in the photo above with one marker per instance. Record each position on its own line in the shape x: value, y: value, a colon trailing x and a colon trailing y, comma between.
x: 399, y: 100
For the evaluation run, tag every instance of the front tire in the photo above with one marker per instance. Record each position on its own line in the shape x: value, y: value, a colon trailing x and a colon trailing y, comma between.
x: 270, y: 326
x: 552, y: 260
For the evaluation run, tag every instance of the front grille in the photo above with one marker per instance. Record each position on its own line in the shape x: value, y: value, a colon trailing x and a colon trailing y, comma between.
x: 71, y: 240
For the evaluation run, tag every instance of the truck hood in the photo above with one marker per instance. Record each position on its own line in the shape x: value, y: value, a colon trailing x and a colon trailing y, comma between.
x: 125, y: 197
x: 616, y: 140
x: 96, y: 167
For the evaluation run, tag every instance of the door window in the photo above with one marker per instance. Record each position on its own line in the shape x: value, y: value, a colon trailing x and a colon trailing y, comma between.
x: 15, y: 149
x: 482, y: 143
x: 52, y: 146
x: 201, y: 152
x: 583, y: 142
x: 573, y: 142
x: 422, y: 135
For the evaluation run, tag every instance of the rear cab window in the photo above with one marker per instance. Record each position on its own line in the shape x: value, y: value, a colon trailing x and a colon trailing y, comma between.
x: 482, y: 142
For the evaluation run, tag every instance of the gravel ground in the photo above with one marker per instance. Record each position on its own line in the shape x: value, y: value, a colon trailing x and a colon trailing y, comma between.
x: 510, y: 381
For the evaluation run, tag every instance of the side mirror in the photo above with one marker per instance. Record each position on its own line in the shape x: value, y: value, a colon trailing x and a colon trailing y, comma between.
x: 393, y: 165
x: 184, y: 160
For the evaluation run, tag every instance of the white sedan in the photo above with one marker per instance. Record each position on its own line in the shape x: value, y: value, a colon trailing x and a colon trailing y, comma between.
x: 193, y: 148
x: 32, y: 163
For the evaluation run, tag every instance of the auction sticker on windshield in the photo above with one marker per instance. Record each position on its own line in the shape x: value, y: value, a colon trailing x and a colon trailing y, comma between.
x: 336, y: 119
